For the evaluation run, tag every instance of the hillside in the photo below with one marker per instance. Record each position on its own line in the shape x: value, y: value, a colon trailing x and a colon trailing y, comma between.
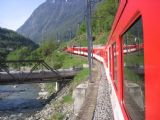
x: 10, y: 40
x: 100, y: 28
x: 54, y: 54
x: 54, y: 18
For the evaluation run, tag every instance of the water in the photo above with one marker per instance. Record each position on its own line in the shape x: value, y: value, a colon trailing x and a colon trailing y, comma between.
x: 19, y: 99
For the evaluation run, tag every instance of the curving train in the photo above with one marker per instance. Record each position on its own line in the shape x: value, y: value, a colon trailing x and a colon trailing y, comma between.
x: 131, y: 60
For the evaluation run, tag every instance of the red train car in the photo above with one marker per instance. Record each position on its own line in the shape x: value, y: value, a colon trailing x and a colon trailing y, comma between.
x: 131, y: 60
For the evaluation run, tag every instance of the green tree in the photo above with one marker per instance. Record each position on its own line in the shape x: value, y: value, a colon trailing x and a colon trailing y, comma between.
x: 19, y: 54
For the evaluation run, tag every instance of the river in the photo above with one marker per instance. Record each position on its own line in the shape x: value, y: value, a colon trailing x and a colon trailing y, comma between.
x: 19, y: 100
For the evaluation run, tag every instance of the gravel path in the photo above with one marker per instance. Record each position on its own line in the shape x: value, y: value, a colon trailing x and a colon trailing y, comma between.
x: 103, y: 109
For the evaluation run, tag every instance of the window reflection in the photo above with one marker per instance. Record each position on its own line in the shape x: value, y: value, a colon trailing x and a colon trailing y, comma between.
x: 134, y: 71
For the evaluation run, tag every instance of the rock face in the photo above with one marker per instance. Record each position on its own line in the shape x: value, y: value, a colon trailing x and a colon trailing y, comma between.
x: 54, y: 18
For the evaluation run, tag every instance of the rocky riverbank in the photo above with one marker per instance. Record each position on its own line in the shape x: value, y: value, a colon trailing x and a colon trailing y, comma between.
x: 54, y: 108
x: 48, y: 110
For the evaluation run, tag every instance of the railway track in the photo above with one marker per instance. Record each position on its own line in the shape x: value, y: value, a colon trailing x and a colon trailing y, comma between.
x: 97, y: 105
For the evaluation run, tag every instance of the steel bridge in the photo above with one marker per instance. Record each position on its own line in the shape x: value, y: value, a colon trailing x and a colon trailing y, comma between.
x: 34, y: 75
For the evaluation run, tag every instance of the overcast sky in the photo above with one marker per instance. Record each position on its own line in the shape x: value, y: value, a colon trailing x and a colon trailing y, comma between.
x: 13, y: 13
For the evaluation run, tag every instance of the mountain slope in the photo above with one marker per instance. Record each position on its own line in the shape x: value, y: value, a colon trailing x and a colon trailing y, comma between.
x: 52, y: 18
x: 10, y: 40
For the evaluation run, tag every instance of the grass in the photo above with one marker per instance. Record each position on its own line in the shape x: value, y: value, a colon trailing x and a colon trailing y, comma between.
x: 81, y: 76
x: 50, y: 87
x: 72, y: 61
x: 57, y: 116
x: 67, y: 99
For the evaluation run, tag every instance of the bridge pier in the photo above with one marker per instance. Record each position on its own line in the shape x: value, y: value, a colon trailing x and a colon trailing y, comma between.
x: 57, y: 87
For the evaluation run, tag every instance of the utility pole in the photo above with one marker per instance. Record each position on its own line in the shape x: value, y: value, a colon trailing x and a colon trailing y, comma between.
x: 79, y: 37
x: 58, y: 38
x: 89, y: 38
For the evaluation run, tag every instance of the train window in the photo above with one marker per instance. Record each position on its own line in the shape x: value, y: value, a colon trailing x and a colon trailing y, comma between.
x: 134, y: 71
x: 115, y: 65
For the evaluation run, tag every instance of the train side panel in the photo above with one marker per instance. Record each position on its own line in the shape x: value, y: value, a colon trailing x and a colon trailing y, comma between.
x: 148, y: 11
